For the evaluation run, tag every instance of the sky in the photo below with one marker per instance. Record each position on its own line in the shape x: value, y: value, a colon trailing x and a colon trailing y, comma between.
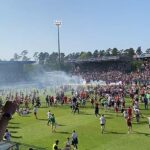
x: 86, y: 25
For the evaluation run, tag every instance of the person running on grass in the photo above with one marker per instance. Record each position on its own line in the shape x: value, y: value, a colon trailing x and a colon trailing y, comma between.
x: 102, y: 123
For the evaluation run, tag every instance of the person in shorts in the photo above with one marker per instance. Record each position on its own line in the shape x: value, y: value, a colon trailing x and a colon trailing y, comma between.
x: 102, y: 123
x: 74, y: 139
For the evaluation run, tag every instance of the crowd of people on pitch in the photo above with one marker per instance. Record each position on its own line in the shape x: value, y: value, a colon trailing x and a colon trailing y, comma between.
x: 108, y: 97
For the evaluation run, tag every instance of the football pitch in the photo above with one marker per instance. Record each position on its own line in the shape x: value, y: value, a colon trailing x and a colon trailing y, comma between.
x: 30, y: 131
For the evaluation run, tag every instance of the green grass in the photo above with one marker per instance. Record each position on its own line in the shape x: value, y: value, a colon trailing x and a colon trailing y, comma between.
x: 30, y: 131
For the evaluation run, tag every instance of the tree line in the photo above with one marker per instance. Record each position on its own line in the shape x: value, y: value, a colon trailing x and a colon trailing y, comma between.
x: 50, y: 60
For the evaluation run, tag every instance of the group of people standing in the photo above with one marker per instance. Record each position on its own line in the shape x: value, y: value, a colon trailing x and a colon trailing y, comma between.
x: 71, y: 143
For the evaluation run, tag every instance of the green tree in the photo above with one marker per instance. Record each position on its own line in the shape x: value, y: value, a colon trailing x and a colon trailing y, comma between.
x: 102, y: 53
x: 24, y: 55
x: 16, y: 57
x: 108, y: 52
x: 88, y: 55
x: 96, y: 53
x: 115, y: 52
x: 139, y: 51
x: 129, y: 52
x: 148, y: 51
x: 62, y: 56
x: 83, y: 55
x: 43, y: 57
x: 25, y: 58
x: 35, y: 56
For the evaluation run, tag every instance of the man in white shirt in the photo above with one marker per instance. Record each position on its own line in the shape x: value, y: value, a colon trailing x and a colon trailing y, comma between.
x: 102, y: 123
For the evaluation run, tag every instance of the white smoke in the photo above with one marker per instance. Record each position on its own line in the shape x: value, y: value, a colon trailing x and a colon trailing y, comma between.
x: 58, y: 78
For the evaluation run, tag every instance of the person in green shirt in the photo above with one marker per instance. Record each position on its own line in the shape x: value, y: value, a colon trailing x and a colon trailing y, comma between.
x: 53, y: 122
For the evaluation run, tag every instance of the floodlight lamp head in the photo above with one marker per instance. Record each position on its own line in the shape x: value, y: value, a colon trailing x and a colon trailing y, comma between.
x: 58, y: 23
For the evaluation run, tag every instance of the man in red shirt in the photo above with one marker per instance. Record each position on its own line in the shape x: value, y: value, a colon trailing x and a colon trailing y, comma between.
x: 129, y: 112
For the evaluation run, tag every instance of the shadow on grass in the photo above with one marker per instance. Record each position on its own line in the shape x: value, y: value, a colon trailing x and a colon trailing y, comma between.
x: 114, y: 132
x: 61, y: 125
x: 42, y: 119
x: 13, y: 131
x: 16, y: 137
x: 10, y: 127
x: 13, y: 123
x: 45, y: 107
x: 142, y: 133
x: 63, y: 132
x: 25, y: 116
x: 141, y: 122
x: 84, y: 113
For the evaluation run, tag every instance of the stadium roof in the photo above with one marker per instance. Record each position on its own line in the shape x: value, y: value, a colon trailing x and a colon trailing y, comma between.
x: 145, y: 55
x: 17, y: 62
x: 100, y: 59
